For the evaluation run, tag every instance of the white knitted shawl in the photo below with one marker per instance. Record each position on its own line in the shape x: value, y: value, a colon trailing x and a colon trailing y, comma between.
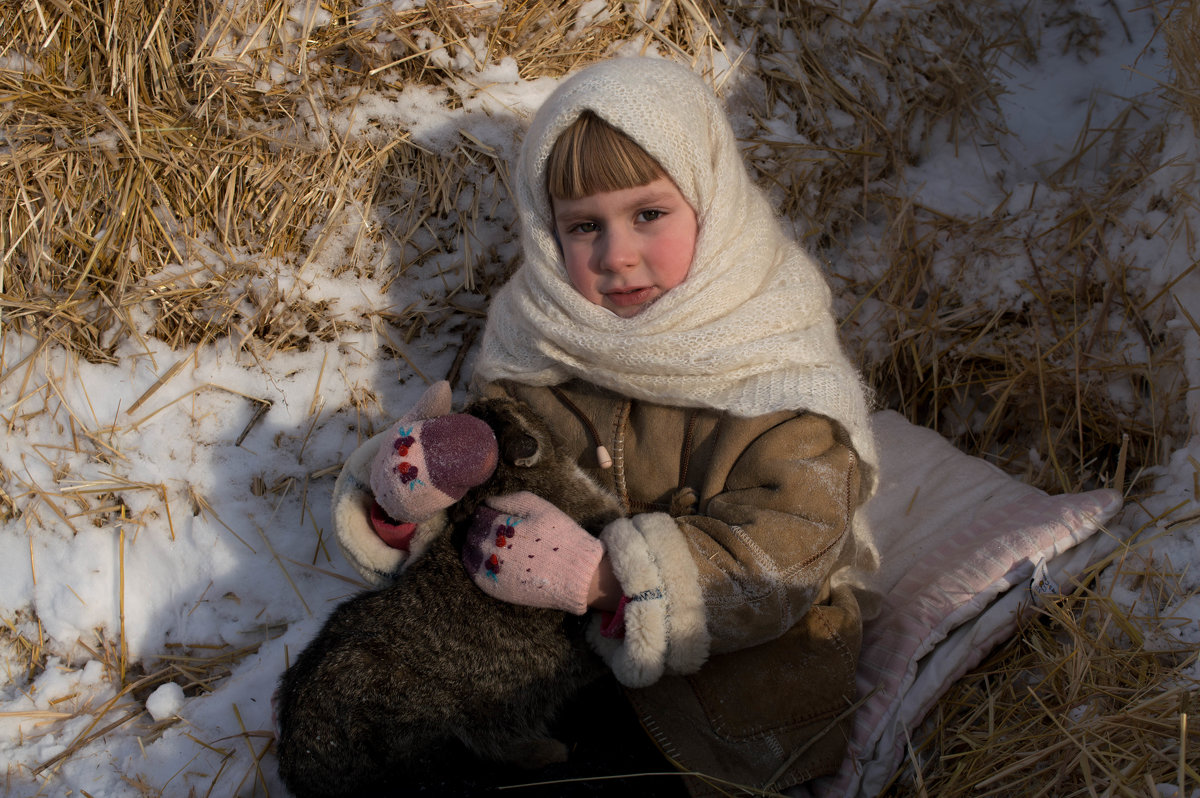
x: 749, y: 331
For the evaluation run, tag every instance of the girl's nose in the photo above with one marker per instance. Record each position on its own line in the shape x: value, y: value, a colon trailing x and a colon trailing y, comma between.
x: 620, y: 250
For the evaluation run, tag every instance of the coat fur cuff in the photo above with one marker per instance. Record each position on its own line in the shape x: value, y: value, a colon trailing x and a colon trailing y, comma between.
x: 665, y: 626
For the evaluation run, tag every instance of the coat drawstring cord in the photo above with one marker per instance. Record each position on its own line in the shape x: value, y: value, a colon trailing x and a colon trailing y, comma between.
x: 602, y: 455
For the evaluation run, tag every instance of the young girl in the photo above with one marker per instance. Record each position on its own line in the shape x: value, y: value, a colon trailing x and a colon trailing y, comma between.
x: 685, y: 351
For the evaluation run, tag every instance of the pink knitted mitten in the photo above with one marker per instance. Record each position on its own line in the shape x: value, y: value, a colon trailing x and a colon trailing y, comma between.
x: 428, y: 465
x: 524, y: 550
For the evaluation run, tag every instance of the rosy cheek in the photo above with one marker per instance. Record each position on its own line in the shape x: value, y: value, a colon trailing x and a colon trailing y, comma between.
x: 578, y: 271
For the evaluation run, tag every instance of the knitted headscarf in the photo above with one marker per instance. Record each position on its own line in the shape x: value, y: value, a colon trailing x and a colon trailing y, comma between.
x: 750, y: 330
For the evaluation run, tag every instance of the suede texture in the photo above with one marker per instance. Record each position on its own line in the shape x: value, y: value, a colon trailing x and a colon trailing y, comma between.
x: 761, y: 706
x: 758, y: 653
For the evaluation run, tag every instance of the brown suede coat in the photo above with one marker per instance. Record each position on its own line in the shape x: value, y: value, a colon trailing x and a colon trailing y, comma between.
x: 763, y: 508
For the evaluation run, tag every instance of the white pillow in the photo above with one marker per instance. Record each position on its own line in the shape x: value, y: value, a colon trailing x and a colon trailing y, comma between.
x: 955, y: 535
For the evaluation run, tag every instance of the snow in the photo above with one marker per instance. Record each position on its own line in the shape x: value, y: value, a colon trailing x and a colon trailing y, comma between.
x: 164, y: 526
x: 165, y: 701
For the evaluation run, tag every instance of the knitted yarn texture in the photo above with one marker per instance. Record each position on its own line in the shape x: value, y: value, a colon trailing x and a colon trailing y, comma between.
x: 750, y: 330
x: 429, y: 464
x: 522, y: 549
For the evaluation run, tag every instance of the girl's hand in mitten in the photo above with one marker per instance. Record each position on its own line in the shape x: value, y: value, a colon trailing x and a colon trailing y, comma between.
x: 427, y: 465
x: 524, y: 550
x: 377, y: 537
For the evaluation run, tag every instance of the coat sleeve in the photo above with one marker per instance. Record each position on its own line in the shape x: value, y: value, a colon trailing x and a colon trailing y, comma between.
x: 747, y: 566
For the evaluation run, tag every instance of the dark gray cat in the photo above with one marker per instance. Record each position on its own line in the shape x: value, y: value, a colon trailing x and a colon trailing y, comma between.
x: 397, y: 677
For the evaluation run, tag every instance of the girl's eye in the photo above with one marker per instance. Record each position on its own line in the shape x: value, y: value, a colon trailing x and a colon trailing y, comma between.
x: 650, y: 216
x: 585, y: 227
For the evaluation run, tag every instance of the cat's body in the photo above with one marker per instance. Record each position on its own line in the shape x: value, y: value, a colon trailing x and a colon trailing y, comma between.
x: 397, y: 676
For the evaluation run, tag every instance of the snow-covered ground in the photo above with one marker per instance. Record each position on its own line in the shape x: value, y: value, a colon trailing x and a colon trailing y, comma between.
x: 167, y: 516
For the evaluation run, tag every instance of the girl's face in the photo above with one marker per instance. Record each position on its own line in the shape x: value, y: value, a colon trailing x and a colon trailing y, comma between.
x: 624, y: 249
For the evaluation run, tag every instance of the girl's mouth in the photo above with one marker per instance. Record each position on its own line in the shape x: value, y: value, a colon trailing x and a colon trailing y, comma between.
x: 627, y: 298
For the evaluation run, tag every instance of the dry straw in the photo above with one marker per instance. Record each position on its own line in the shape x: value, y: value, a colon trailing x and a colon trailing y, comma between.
x: 165, y: 167
x: 1090, y: 698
